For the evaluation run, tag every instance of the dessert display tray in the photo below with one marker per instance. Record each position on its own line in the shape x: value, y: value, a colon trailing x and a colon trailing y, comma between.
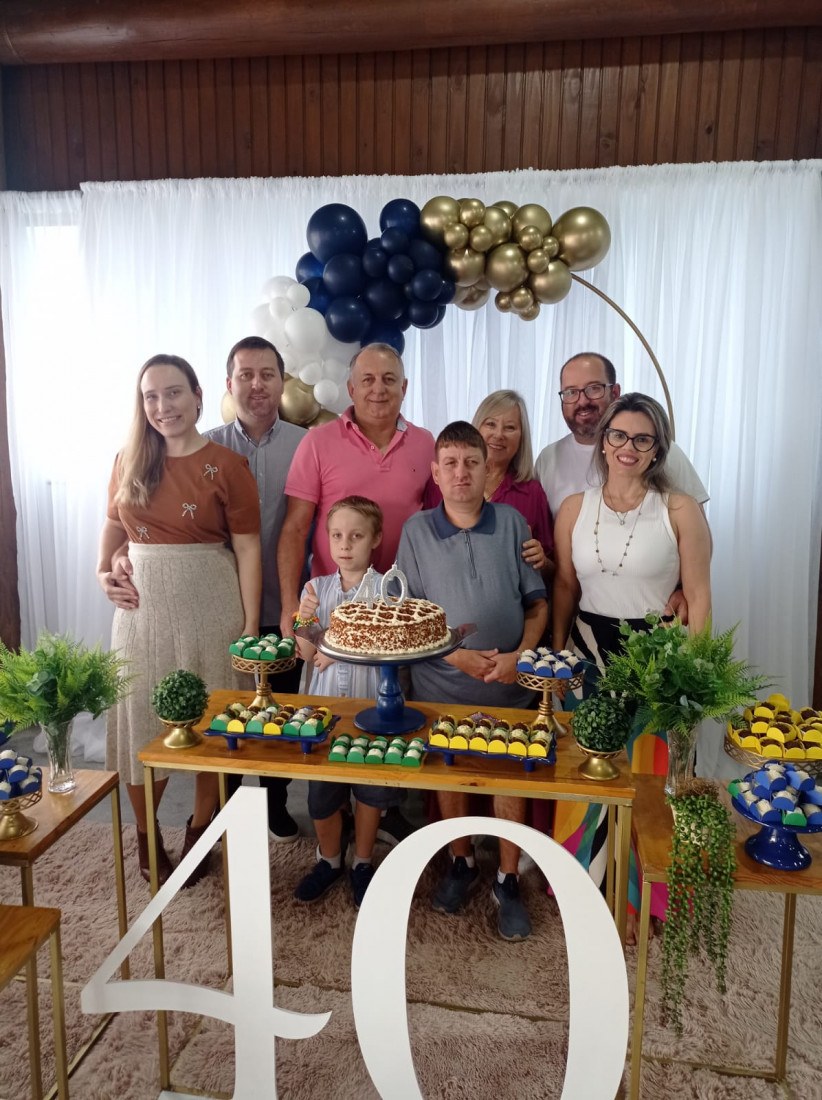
x: 755, y: 761
x: 776, y: 846
x: 527, y: 763
x: 305, y: 743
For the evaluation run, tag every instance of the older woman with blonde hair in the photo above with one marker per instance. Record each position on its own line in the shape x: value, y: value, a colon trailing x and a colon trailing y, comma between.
x: 502, y: 421
x: 189, y: 511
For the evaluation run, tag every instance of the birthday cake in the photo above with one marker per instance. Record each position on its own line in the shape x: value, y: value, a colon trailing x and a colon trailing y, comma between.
x: 412, y: 626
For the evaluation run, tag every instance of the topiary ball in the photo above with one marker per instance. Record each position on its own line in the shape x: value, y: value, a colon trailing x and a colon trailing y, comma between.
x: 602, y: 723
x: 180, y: 696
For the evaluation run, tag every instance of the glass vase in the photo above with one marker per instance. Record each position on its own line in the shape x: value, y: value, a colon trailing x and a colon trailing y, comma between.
x: 58, y: 741
x: 681, y: 756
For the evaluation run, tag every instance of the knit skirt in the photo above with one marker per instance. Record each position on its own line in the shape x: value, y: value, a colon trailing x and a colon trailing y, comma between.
x: 190, y: 611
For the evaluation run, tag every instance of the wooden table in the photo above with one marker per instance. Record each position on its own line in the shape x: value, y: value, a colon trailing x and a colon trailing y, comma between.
x: 561, y: 782
x: 55, y: 815
x: 23, y: 930
x: 653, y: 826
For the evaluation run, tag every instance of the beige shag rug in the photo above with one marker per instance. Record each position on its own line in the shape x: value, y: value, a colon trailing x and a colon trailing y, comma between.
x: 486, y: 1018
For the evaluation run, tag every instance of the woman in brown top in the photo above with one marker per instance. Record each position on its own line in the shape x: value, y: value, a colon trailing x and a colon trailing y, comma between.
x: 189, y: 510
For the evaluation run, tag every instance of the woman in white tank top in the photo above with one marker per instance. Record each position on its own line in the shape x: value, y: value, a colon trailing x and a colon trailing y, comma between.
x: 620, y: 551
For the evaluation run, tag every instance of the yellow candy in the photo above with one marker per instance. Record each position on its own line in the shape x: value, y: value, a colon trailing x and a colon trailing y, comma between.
x: 750, y: 743
x: 747, y: 714
x: 778, y: 701
x: 497, y: 746
x: 776, y: 734
x: 535, y: 749
x: 759, y: 727
x: 772, y: 750
x: 794, y: 754
x: 814, y: 752
x: 763, y: 712
x: 516, y: 748
x: 458, y: 742
x: 272, y: 729
x: 235, y: 726
x: 478, y: 744
x: 811, y: 736
x: 438, y: 739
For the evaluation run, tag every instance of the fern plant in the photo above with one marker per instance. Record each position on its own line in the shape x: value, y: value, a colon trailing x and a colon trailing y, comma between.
x: 57, y: 680
x: 678, y: 679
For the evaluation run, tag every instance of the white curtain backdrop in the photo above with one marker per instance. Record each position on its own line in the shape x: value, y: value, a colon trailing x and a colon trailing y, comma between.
x: 719, y: 265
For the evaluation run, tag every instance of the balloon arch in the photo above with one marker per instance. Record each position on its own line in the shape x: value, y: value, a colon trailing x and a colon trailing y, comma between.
x: 350, y: 291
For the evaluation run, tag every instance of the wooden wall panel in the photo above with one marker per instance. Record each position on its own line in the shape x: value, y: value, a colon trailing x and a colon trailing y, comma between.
x: 739, y: 95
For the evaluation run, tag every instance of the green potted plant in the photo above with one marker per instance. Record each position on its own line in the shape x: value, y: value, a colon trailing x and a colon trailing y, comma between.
x: 180, y: 700
x: 700, y: 891
x: 53, y: 683
x: 601, y: 725
x: 677, y: 679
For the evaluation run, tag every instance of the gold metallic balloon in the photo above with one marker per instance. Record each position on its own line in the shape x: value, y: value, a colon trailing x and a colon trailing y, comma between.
x: 481, y: 238
x: 498, y: 222
x: 482, y: 283
x: 538, y: 260
x: 471, y: 297
x: 521, y: 298
x: 324, y: 416
x: 436, y: 215
x: 505, y: 267
x: 456, y: 236
x: 503, y: 302
x: 532, y: 214
x: 227, y: 410
x: 551, y: 246
x: 584, y: 237
x: 551, y: 285
x: 472, y: 211
x: 510, y: 208
x: 298, y: 404
x: 531, y: 313
x: 464, y: 266
x: 529, y: 237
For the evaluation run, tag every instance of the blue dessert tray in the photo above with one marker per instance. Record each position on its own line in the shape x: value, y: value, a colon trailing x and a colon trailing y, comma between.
x: 528, y: 763
x: 305, y: 743
x: 776, y: 846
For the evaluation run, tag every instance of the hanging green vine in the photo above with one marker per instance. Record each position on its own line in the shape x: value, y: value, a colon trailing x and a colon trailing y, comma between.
x: 700, y: 892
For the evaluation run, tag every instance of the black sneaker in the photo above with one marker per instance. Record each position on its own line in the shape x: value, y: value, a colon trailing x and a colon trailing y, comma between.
x: 456, y: 886
x: 282, y: 826
x: 318, y: 881
x: 394, y: 828
x: 360, y: 877
x: 513, y: 922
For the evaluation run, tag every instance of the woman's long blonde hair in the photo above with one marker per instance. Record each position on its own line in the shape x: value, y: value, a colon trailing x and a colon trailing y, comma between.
x: 141, y: 461
x: 522, y: 464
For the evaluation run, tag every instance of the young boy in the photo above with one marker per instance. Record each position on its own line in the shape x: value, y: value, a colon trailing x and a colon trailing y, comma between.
x: 354, y: 527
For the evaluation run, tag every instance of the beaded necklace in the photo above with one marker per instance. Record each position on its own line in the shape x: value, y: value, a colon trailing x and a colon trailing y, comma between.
x: 615, y: 572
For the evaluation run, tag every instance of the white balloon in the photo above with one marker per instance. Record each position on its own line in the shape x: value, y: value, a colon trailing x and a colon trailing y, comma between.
x: 306, y: 330
x: 275, y: 335
x: 335, y: 369
x: 327, y: 392
x: 335, y: 350
x: 298, y: 295
x: 311, y: 373
x: 260, y: 319
x: 278, y: 286
x: 342, y: 402
x: 280, y: 309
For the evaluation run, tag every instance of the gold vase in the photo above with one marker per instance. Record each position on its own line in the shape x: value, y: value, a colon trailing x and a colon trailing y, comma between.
x: 597, y: 765
x: 181, y: 735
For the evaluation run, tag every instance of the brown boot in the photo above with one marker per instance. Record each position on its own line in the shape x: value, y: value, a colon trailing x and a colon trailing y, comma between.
x: 164, y: 867
x: 191, y: 838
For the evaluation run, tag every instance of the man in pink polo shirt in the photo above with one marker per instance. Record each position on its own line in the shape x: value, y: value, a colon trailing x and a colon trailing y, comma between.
x: 370, y: 451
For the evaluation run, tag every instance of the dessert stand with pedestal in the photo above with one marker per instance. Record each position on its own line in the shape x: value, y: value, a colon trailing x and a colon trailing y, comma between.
x: 776, y: 846
x: 262, y: 670
x: 13, y: 822
x: 547, y: 685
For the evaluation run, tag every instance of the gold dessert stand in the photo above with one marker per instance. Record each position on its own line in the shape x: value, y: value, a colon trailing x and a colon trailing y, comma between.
x: 597, y: 765
x: 181, y: 735
x: 261, y: 671
x: 547, y: 685
x: 13, y: 822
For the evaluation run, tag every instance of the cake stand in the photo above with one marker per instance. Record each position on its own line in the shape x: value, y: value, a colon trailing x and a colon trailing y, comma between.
x: 262, y: 670
x: 390, y: 715
x: 547, y: 685
x: 13, y: 822
x: 777, y: 846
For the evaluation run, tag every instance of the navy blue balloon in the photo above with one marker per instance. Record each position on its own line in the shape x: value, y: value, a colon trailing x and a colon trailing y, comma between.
x: 403, y: 321
x: 446, y: 295
x: 395, y: 241
x: 440, y: 313
x: 348, y: 319
x: 335, y: 228
x: 401, y: 214
x: 319, y: 294
x: 400, y: 269
x: 375, y: 260
x: 343, y: 275
x: 385, y: 333
x: 423, y: 314
x: 424, y: 254
x: 384, y: 298
x: 426, y: 285
x: 308, y: 267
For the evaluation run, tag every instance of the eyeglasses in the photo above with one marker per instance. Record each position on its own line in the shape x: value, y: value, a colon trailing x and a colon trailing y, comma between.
x: 618, y: 439
x: 593, y: 391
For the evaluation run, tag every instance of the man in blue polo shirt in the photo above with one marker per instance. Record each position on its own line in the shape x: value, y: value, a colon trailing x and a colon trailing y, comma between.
x: 466, y: 556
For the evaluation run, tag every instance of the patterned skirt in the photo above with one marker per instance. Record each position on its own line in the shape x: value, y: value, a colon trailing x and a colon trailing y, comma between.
x: 581, y: 827
x: 190, y: 611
